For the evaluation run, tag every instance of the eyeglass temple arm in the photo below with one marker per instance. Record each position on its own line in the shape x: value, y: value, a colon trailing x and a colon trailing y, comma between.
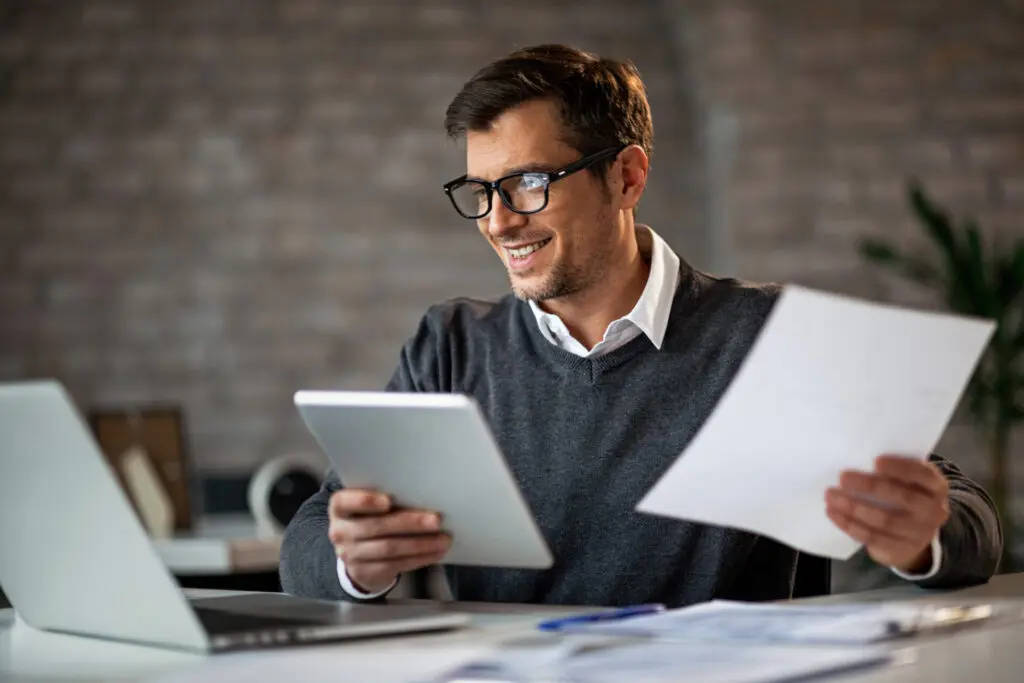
x: 580, y: 164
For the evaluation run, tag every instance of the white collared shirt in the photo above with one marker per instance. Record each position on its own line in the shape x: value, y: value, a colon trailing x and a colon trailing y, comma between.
x: 650, y: 317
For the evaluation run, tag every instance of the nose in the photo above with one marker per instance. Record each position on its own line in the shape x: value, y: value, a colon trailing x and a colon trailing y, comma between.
x: 502, y: 221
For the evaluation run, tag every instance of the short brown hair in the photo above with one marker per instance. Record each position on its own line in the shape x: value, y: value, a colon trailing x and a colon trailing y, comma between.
x: 603, y: 102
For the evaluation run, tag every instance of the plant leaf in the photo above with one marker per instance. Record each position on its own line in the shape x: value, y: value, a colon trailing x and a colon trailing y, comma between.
x: 977, y: 290
x: 932, y: 217
x: 912, y: 267
x: 1010, y: 284
x: 1014, y: 322
x: 879, y: 251
x: 961, y: 294
x: 1013, y: 398
x: 1019, y: 393
x: 921, y: 271
x: 978, y: 395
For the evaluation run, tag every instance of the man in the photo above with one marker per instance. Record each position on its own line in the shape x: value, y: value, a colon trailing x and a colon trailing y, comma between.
x: 596, y: 373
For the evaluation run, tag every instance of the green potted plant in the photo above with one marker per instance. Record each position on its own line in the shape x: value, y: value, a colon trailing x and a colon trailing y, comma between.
x: 976, y: 279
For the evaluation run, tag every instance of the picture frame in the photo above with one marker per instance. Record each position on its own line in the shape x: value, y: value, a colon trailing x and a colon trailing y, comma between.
x: 160, y: 431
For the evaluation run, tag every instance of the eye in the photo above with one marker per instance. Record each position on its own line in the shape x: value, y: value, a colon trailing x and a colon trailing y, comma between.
x: 533, y: 181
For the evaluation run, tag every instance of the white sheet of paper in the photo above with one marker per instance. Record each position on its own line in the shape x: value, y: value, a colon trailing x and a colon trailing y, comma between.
x: 830, y: 384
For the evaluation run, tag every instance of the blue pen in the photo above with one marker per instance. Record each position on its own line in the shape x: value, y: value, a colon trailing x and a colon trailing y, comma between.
x: 610, y: 615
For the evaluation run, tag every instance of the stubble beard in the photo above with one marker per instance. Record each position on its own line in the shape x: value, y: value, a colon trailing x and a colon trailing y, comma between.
x: 565, y: 279
x: 560, y: 282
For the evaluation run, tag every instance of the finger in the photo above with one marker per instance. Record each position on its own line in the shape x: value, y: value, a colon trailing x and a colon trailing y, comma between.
x: 894, y: 493
x: 395, y: 548
x: 344, y: 530
x: 347, y: 503
x: 914, y: 472
x: 402, y: 523
x: 383, y: 572
x: 863, y: 532
x: 884, y: 548
x: 894, y: 523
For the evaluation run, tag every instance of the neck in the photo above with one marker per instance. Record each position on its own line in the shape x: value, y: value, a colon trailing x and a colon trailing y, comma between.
x: 588, y: 313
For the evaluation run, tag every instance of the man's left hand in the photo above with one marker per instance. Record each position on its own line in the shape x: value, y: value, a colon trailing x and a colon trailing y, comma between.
x: 894, y: 511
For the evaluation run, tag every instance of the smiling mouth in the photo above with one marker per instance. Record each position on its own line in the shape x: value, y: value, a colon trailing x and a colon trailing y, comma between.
x: 526, y: 250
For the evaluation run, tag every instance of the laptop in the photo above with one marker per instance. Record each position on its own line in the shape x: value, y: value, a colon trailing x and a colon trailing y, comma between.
x: 75, y: 558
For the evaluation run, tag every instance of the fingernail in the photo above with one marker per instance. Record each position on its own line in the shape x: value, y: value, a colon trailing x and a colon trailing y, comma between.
x: 383, y: 502
x: 431, y: 521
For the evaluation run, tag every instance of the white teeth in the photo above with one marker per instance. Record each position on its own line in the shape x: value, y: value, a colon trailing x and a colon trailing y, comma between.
x: 522, y: 252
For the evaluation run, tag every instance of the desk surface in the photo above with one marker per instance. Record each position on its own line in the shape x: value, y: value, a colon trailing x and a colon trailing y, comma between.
x: 993, y: 654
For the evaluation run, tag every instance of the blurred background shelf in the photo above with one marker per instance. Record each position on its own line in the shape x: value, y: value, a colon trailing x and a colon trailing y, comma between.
x: 223, y: 551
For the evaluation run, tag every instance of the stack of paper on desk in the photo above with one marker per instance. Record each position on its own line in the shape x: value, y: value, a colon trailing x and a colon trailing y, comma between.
x: 726, y: 641
x: 670, y: 662
x: 850, y: 624
x: 830, y: 384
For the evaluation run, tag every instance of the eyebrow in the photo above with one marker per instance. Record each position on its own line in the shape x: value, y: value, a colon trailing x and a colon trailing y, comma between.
x: 525, y: 168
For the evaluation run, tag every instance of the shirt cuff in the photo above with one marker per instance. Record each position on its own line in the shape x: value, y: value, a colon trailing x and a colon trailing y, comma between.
x: 349, y: 587
x: 936, y: 563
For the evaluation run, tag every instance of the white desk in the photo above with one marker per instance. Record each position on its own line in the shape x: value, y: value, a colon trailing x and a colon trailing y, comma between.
x: 992, y: 655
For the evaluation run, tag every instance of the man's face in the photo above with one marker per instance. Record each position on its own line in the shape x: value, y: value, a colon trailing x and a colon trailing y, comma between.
x: 564, y: 248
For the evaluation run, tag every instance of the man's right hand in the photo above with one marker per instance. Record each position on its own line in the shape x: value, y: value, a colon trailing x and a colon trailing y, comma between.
x: 377, y: 543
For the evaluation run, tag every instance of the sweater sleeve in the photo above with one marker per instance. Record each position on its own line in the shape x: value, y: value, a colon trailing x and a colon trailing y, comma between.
x: 308, y: 565
x: 972, y: 537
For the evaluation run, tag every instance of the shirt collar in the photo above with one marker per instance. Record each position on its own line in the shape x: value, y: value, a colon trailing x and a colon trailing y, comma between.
x: 651, y: 312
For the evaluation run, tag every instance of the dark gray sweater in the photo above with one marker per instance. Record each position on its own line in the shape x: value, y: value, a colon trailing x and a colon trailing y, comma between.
x: 587, y: 438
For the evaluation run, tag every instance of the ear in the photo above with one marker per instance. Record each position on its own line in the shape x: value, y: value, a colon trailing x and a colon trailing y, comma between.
x: 631, y: 171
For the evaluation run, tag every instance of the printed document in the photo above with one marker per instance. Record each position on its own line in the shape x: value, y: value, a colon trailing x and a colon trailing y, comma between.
x: 830, y: 384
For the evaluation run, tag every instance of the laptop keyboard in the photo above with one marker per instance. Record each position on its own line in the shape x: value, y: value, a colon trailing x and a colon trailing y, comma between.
x: 219, y: 621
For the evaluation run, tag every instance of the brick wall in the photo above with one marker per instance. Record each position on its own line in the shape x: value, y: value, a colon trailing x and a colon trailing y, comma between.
x: 839, y: 103
x: 215, y: 203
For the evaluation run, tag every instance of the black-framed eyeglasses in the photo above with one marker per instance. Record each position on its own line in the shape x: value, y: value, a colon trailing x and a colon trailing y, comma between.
x: 525, y: 192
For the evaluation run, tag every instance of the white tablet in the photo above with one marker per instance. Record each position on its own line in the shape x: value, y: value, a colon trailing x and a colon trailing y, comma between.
x: 434, y: 452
